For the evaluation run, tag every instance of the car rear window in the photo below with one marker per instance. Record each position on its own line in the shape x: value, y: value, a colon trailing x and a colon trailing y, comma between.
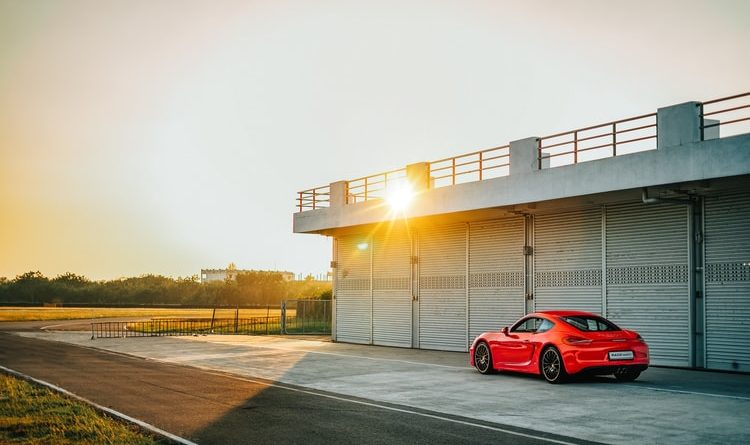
x: 590, y: 324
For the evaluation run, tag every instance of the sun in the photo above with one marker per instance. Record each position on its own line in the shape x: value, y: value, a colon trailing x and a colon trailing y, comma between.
x: 399, y: 196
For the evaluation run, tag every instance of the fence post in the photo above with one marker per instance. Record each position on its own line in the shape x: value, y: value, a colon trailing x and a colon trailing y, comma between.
x: 268, y: 311
x: 282, y: 320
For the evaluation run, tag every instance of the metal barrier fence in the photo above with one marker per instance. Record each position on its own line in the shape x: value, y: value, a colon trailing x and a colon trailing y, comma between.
x: 182, y: 327
x: 311, y: 316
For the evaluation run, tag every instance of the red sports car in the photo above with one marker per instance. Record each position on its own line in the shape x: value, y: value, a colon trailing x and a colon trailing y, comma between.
x: 557, y: 344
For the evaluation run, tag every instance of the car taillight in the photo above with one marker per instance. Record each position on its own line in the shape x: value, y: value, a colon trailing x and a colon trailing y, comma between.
x: 576, y: 341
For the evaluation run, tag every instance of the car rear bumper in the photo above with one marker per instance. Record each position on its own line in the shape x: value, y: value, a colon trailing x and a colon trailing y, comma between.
x: 580, y: 359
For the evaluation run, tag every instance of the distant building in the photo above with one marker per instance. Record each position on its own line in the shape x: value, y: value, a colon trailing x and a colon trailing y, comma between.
x: 208, y: 275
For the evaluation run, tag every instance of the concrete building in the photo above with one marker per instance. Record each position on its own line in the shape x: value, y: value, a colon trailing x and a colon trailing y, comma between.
x: 208, y: 275
x: 643, y: 220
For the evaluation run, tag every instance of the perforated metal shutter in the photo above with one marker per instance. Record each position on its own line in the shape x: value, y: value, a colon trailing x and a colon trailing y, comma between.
x: 568, y: 261
x: 647, y: 276
x: 353, y: 289
x: 496, y: 285
x: 442, y: 288
x: 392, y: 301
x: 727, y: 297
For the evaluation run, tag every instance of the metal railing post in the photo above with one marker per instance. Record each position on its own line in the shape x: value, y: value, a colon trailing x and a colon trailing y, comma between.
x: 575, y: 147
x: 480, y: 165
x: 614, y: 138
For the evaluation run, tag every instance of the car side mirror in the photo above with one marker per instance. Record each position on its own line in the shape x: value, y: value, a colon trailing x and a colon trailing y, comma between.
x: 504, y: 331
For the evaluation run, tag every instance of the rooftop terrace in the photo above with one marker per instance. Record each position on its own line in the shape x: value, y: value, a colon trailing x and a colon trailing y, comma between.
x: 721, y: 117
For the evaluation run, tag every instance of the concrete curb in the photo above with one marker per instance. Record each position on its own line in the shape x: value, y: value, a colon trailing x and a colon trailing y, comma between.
x: 103, y: 409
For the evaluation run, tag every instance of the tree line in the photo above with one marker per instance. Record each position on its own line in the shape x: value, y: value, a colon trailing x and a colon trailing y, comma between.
x: 249, y: 288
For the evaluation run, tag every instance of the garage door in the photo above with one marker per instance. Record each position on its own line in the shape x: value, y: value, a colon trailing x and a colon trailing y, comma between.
x: 496, y: 285
x: 647, y: 276
x: 568, y: 261
x: 727, y: 302
x: 353, y: 289
x: 442, y: 288
x: 391, y: 294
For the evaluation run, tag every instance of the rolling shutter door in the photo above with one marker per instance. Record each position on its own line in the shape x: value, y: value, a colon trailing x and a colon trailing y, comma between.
x: 496, y: 284
x: 353, y: 290
x: 727, y: 301
x: 568, y: 261
x: 392, y: 302
x: 647, y: 277
x: 442, y: 288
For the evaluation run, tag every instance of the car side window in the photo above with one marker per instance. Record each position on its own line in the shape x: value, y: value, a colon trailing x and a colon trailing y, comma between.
x: 530, y: 324
x: 545, y: 326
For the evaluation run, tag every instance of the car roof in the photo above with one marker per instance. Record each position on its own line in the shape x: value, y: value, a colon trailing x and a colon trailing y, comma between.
x: 567, y: 313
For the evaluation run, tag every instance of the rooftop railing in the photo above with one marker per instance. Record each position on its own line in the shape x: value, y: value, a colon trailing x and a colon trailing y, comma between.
x: 314, y: 198
x: 470, y: 167
x: 718, y: 114
x: 605, y: 140
x: 373, y: 186
x: 598, y: 141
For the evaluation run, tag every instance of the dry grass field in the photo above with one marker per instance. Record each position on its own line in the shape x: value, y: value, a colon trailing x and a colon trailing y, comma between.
x: 72, y: 313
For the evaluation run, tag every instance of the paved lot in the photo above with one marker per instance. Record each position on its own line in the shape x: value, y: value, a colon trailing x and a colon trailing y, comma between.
x: 663, y: 406
x: 212, y: 408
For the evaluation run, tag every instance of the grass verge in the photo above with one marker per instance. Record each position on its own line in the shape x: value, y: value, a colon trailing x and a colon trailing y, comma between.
x: 31, y: 414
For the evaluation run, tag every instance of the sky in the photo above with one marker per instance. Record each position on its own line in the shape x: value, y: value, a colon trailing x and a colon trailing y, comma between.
x: 164, y: 137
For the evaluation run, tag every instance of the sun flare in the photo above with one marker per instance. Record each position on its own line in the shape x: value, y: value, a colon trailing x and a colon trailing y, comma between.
x: 399, y: 197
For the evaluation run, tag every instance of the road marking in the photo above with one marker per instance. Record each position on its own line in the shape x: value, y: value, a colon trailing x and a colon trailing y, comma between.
x: 44, y: 328
x: 392, y: 408
x: 336, y: 354
x: 680, y: 391
x: 110, y: 411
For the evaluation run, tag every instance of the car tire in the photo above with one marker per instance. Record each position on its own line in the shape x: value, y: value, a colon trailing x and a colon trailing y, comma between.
x: 551, y: 365
x: 483, y: 359
x: 626, y: 375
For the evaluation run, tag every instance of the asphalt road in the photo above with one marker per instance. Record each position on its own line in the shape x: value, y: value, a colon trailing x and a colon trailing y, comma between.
x: 214, y: 408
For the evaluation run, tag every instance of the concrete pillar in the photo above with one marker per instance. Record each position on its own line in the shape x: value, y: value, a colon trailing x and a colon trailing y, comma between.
x: 678, y: 124
x: 523, y: 156
x: 338, y: 191
x: 710, y: 132
x: 419, y: 176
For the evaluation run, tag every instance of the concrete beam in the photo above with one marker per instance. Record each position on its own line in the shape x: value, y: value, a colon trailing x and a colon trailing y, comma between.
x: 678, y: 125
x: 711, y: 132
x: 418, y: 174
x: 523, y: 156
x: 338, y: 191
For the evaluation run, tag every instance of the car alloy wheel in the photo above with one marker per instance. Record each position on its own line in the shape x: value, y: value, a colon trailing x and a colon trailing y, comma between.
x: 483, y: 359
x: 552, y: 366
